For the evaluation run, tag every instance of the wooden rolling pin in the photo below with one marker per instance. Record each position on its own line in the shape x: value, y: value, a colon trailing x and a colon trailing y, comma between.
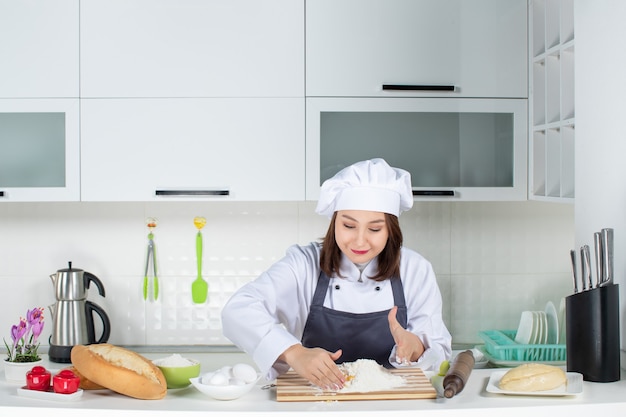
x: 458, y: 374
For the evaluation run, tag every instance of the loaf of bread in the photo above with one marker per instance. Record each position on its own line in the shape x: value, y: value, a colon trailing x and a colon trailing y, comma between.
x: 120, y: 370
x: 85, y: 383
x: 531, y: 377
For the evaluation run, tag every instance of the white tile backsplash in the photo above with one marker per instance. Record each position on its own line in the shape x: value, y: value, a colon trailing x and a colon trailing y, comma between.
x: 493, y: 260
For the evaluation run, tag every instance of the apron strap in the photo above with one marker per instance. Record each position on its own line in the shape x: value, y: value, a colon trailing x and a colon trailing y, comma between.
x: 398, y: 292
x: 320, y: 290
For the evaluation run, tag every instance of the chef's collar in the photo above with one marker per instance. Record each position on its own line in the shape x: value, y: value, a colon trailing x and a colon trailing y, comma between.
x: 352, y: 272
x: 361, y: 266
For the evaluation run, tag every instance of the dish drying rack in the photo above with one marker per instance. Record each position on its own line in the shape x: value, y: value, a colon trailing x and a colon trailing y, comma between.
x: 501, y: 349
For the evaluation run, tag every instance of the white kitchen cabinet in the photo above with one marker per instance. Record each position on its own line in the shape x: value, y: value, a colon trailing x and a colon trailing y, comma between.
x: 192, y: 48
x: 39, y: 48
x: 181, y: 149
x: 39, y: 150
x: 478, y: 48
x: 456, y: 149
x: 551, y: 98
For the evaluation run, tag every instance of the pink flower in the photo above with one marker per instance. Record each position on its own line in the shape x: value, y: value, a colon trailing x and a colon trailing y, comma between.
x: 24, y: 335
x: 17, y: 332
x: 35, y: 322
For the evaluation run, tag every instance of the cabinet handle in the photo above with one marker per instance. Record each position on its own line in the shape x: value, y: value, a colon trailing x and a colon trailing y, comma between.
x: 433, y: 193
x: 418, y: 87
x: 191, y: 192
x: 1, y: 193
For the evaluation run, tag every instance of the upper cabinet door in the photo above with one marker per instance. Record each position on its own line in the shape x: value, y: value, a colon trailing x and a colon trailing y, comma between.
x: 477, y: 48
x: 39, y: 150
x: 456, y: 149
x: 39, y: 49
x: 180, y: 149
x: 192, y: 48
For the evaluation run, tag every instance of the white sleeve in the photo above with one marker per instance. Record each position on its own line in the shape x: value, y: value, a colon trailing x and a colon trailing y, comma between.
x: 267, y: 315
x: 424, y: 311
x: 430, y: 360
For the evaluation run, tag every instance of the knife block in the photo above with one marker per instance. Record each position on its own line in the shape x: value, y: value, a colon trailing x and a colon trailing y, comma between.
x: 593, y: 334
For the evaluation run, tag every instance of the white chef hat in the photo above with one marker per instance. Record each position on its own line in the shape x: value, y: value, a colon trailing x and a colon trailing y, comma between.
x: 370, y: 185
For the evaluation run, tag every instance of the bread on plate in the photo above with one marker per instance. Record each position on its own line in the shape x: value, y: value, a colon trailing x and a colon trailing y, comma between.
x: 531, y: 377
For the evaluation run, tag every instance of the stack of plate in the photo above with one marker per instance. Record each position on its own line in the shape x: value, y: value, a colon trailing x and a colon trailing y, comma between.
x: 539, y: 327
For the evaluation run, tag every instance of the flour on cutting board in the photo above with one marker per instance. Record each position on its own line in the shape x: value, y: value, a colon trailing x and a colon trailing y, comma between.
x: 366, y: 375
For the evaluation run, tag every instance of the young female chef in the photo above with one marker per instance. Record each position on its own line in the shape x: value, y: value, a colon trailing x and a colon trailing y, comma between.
x: 358, y: 294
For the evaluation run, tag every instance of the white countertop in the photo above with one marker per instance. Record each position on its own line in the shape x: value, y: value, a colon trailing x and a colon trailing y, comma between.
x: 473, y: 401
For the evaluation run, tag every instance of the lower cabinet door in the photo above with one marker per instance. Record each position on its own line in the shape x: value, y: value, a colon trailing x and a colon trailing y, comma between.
x: 181, y: 149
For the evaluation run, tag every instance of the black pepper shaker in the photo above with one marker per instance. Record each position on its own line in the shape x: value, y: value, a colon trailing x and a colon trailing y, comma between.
x: 458, y: 374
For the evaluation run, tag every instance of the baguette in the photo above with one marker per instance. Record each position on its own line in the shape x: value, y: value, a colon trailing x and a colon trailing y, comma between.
x: 533, y: 377
x: 120, y: 370
x: 85, y: 383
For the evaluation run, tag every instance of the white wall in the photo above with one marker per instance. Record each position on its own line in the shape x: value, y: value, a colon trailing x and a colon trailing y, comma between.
x: 600, y: 129
x: 492, y: 260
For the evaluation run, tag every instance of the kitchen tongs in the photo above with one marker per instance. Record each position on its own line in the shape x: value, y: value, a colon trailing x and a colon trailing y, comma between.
x: 151, y: 259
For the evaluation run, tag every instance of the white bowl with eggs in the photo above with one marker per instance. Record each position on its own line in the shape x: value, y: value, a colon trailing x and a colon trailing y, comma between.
x: 228, y: 382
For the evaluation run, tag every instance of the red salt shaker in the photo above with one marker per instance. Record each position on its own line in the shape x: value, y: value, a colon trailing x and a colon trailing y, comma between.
x: 38, y: 379
x: 65, y: 382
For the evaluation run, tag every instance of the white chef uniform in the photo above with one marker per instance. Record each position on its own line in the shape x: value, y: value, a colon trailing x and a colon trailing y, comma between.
x: 268, y: 315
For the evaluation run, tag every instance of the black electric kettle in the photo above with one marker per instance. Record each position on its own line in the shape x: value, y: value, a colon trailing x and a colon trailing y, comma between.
x: 73, y: 314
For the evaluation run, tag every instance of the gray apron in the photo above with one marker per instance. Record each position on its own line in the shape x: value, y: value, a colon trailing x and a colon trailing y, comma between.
x: 358, y: 335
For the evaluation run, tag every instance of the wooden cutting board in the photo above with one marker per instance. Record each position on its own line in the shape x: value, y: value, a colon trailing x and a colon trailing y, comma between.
x: 292, y: 387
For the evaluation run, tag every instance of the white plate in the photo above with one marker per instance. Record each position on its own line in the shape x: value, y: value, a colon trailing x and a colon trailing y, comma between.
x: 537, y: 333
x: 537, y: 329
x: 553, y: 324
x: 574, y: 386
x: 542, y: 324
x: 49, y: 395
x: 525, y: 330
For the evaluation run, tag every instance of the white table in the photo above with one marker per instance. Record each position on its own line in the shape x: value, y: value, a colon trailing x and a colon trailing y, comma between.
x: 596, y: 398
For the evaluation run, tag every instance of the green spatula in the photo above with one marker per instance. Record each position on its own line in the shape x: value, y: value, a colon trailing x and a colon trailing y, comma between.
x: 199, y: 287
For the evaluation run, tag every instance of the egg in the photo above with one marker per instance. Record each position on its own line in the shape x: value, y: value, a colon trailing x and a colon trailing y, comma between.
x: 218, y: 378
x: 244, y: 372
x: 206, y: 378
x: 236, y: 381
x: 227, y: 371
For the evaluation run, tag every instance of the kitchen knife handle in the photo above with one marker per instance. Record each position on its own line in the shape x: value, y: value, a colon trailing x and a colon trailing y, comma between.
x: 597, y: 244
x: 607, y: 262
x: 587, y: 261
x: 417, y: 87
x: 583, y: 268
x: 192, y: 193
x: 572, y: 254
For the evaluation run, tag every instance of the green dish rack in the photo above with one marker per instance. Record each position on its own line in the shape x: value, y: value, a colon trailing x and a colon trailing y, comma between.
x: 501, y: 346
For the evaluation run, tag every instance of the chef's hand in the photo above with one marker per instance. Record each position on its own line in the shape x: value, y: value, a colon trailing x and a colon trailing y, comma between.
x: 409, y: 347
x: 316, y: 365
